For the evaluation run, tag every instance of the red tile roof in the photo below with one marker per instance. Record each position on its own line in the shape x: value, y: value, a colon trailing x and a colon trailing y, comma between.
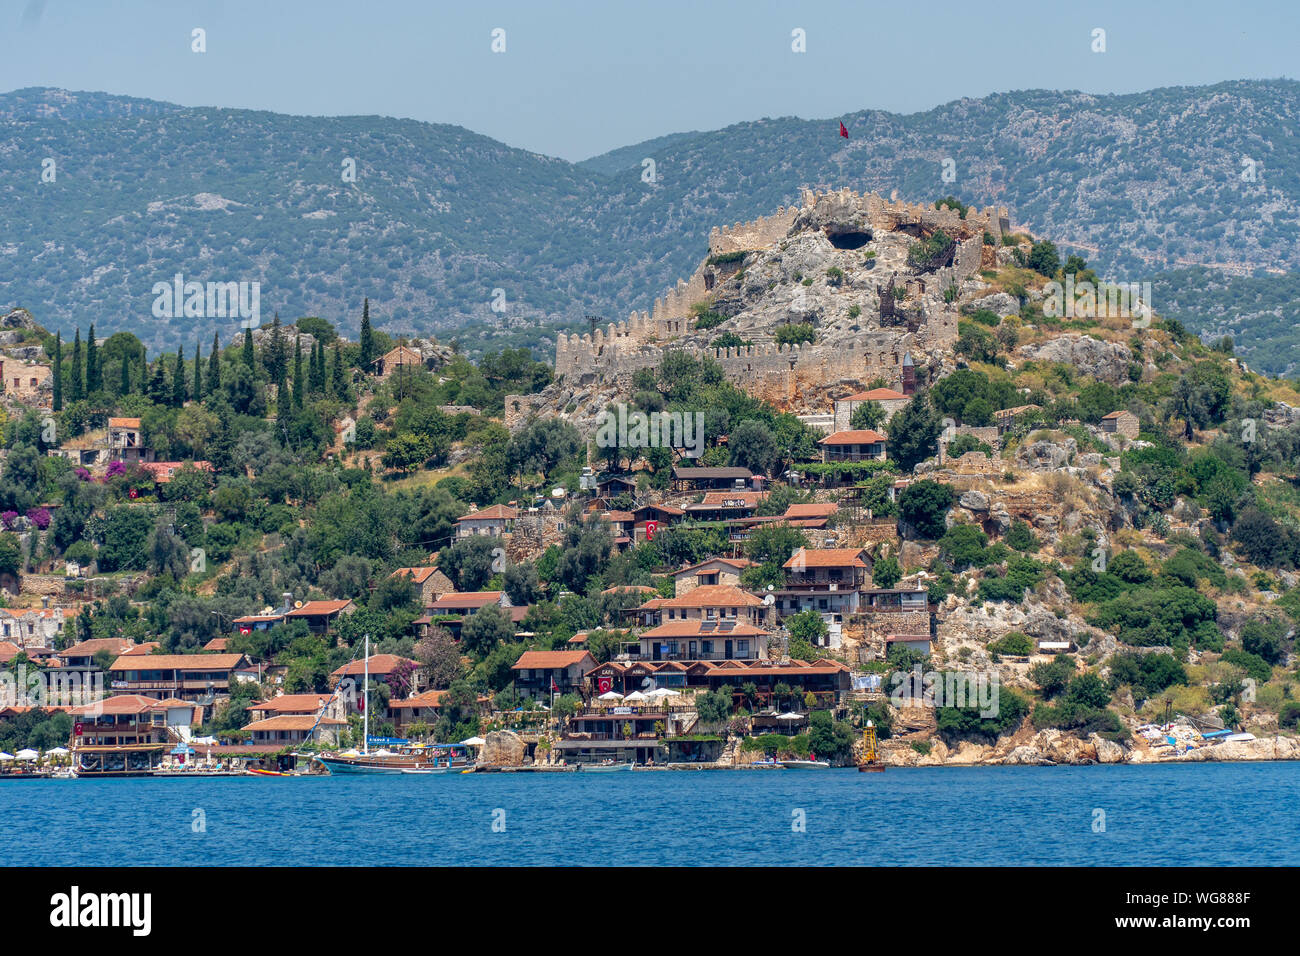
x: 292, y: 722
x: 863, y: 437
x: 698, y: 629
x: 458, y: 600
x: 380, y: 664
x: 812, y: 510
x: 550, y: 659
x: 496, y: 513
x: 182, y: 662
x: 418, y: 575
x: 877, y: 395
x: 319, y: 608
x: 713, y: 595
x: 430, y: 698
x: 114, y: 645
x: 291, y: 703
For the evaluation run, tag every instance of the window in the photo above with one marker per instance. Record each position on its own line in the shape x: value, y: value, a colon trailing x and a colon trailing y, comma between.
x: 742, y: 647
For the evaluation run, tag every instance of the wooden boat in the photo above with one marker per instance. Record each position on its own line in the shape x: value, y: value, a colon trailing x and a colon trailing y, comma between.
x: 871, y: 762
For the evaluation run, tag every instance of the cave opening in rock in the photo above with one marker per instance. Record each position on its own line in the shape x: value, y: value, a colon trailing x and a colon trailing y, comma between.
x: 850, y: 240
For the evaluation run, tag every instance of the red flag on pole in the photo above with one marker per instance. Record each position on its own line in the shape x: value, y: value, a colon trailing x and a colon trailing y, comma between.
x: 843, y: 131
x: 554, y: 686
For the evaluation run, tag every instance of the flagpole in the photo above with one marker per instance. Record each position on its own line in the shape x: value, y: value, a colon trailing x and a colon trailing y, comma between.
x: 365, y: 720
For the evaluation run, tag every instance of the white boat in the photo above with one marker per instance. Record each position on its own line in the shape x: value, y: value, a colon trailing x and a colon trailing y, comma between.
x: 805, y: 765
x: 604, y: 767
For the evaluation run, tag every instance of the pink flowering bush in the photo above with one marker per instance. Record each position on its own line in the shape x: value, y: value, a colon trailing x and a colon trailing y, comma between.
x: 115, y: 468
x: 40, y: 517
x: 7, y: 518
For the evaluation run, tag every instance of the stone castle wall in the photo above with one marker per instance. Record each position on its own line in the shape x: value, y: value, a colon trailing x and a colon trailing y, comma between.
x: 759, y: 234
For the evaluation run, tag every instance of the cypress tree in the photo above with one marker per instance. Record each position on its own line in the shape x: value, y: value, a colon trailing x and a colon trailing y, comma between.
x: 249, y: 358
x: 124, y: 386
x: 298, y: 384
x: 340, y: 382
x: 214, y: 366
x: 316, y: 377
x: 94, y: 380
x: 179, y: 387
x: 367, y: 338
x: 75, y: 387
x: 58, y: 371
x: 156, y: 391
x: 198, y: 375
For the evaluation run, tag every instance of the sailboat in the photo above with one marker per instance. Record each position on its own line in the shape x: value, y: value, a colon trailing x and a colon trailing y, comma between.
x: 871, y: 762
x: 440, y: 758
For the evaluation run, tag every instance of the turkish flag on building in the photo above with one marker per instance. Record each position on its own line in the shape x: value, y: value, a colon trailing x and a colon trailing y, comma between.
x: 76, y: 728
x: 650, y: 528
x: 605, y: 684
x: 843, y: 131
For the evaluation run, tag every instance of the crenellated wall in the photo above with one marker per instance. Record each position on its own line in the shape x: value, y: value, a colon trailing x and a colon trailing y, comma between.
x: 758, y: 234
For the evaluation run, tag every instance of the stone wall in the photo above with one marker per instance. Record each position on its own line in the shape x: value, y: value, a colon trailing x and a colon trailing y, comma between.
x: 758, y: 234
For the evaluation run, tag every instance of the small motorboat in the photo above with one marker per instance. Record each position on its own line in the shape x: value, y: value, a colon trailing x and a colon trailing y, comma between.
x: 805, y: 765
x: 604, y: 767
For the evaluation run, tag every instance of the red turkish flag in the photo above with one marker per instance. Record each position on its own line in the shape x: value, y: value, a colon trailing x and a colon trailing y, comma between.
x: 650, y: 528
x: 843, y: 131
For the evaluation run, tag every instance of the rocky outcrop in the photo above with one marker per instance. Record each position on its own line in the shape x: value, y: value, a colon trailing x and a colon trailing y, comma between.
x: 502, y: 748
x: 1104, y: 361
x: 1046, y: 455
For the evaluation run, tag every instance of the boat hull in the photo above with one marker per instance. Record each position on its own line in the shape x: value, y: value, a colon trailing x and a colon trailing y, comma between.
x: 805, y: 765
x: 605, y: 768
x: 391, y: 765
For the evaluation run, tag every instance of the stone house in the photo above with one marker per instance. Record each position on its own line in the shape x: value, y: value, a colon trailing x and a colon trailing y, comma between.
x: 857, y: 445
x: 887, y: 398
x: 1121, y: 423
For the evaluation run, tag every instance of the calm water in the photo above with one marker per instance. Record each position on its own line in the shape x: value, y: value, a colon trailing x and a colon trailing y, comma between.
x: 1225, y: 814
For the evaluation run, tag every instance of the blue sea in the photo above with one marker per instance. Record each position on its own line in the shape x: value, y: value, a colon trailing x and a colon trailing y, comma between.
x: 1198, y: 814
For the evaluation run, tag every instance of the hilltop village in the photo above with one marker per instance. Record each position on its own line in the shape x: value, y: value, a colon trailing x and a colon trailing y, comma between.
x: 865, y: 473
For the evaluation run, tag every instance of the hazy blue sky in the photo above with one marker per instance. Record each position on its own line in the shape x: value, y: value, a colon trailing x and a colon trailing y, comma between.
x: 577, y: 79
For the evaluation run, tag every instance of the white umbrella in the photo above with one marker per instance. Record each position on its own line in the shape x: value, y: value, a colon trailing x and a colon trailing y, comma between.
x: 610, y: 695
x: 789, y: 715
x: 57, y: 752
x: 662, y: 692
x: 27, y: 754
x: 636, y: 695
x: 473, y: 742
x: 5, y: 756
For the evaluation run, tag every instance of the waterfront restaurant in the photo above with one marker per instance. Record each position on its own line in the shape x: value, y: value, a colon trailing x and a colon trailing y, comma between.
x: 290, y: 729
x: 126, y: 734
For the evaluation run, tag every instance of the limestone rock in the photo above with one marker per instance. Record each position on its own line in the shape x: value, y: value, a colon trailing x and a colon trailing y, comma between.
x: 502, y: 748
x: 999, y: 303
x: 1105, y: 361
x: 974, y: 500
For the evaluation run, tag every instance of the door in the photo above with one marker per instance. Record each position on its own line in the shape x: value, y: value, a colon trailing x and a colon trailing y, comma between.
x: 727, y: 649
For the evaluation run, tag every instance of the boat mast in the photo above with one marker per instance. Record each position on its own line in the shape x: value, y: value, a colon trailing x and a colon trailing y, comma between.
x: 365, y: 719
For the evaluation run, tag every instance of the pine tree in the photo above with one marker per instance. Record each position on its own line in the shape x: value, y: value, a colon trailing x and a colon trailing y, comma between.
x: 298, y: 384
x: 94, y: 380
x: 156, y: 391
x: 340, y: 381
x: 249, y: 358
x: 58, y: 371
x: 179, y: 387
x: 198, y: 375
x: 367, y: 338
x: 214, y: 366
x: 124, y: 386
x: 76, y: 389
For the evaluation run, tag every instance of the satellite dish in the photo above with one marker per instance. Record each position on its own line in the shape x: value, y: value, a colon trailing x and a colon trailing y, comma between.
x: 768, y: 600
x: 297, y: 604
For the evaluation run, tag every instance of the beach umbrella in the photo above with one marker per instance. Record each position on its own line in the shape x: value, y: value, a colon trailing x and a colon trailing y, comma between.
x: 473, y: 742
x: 636, y: 695
x: 6, y: 756
x: 661, y: 692
x: 57, y: 752
x: 610, y: 695
x: 27, y: 754
x: 789, y: 715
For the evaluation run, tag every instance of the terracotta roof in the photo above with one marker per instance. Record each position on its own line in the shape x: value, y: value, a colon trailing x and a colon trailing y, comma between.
x: 418, y: 575
x: 812, y: 510
x: 826, y: 558
x: 317, y: 608
x: 796, y: 668
x: 550, y: 659
x: 714, y: 595
x: 667, y: 509
x: 292, y: 722
x: 618, y: 516
x: 430, y: 698
x: 633, y: 588
x: 737, y: 563
x: 148, y: 647
x: 863, y: 437
x: 379, y: 664
x: 183, y: 662
x: 711, y: 474
x: 291, y: 703
x: 124, y: 423
x: 119, y: 704
x: 496, y: 512
x: 1122, y: 411
x: 877, y: 395
x: 8, y: 651
x: 115, y: 645
x: 456, y: 600
x: 216, y: 645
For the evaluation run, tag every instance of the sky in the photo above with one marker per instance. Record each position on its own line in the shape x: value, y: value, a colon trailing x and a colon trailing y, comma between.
x: 576, y: 79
